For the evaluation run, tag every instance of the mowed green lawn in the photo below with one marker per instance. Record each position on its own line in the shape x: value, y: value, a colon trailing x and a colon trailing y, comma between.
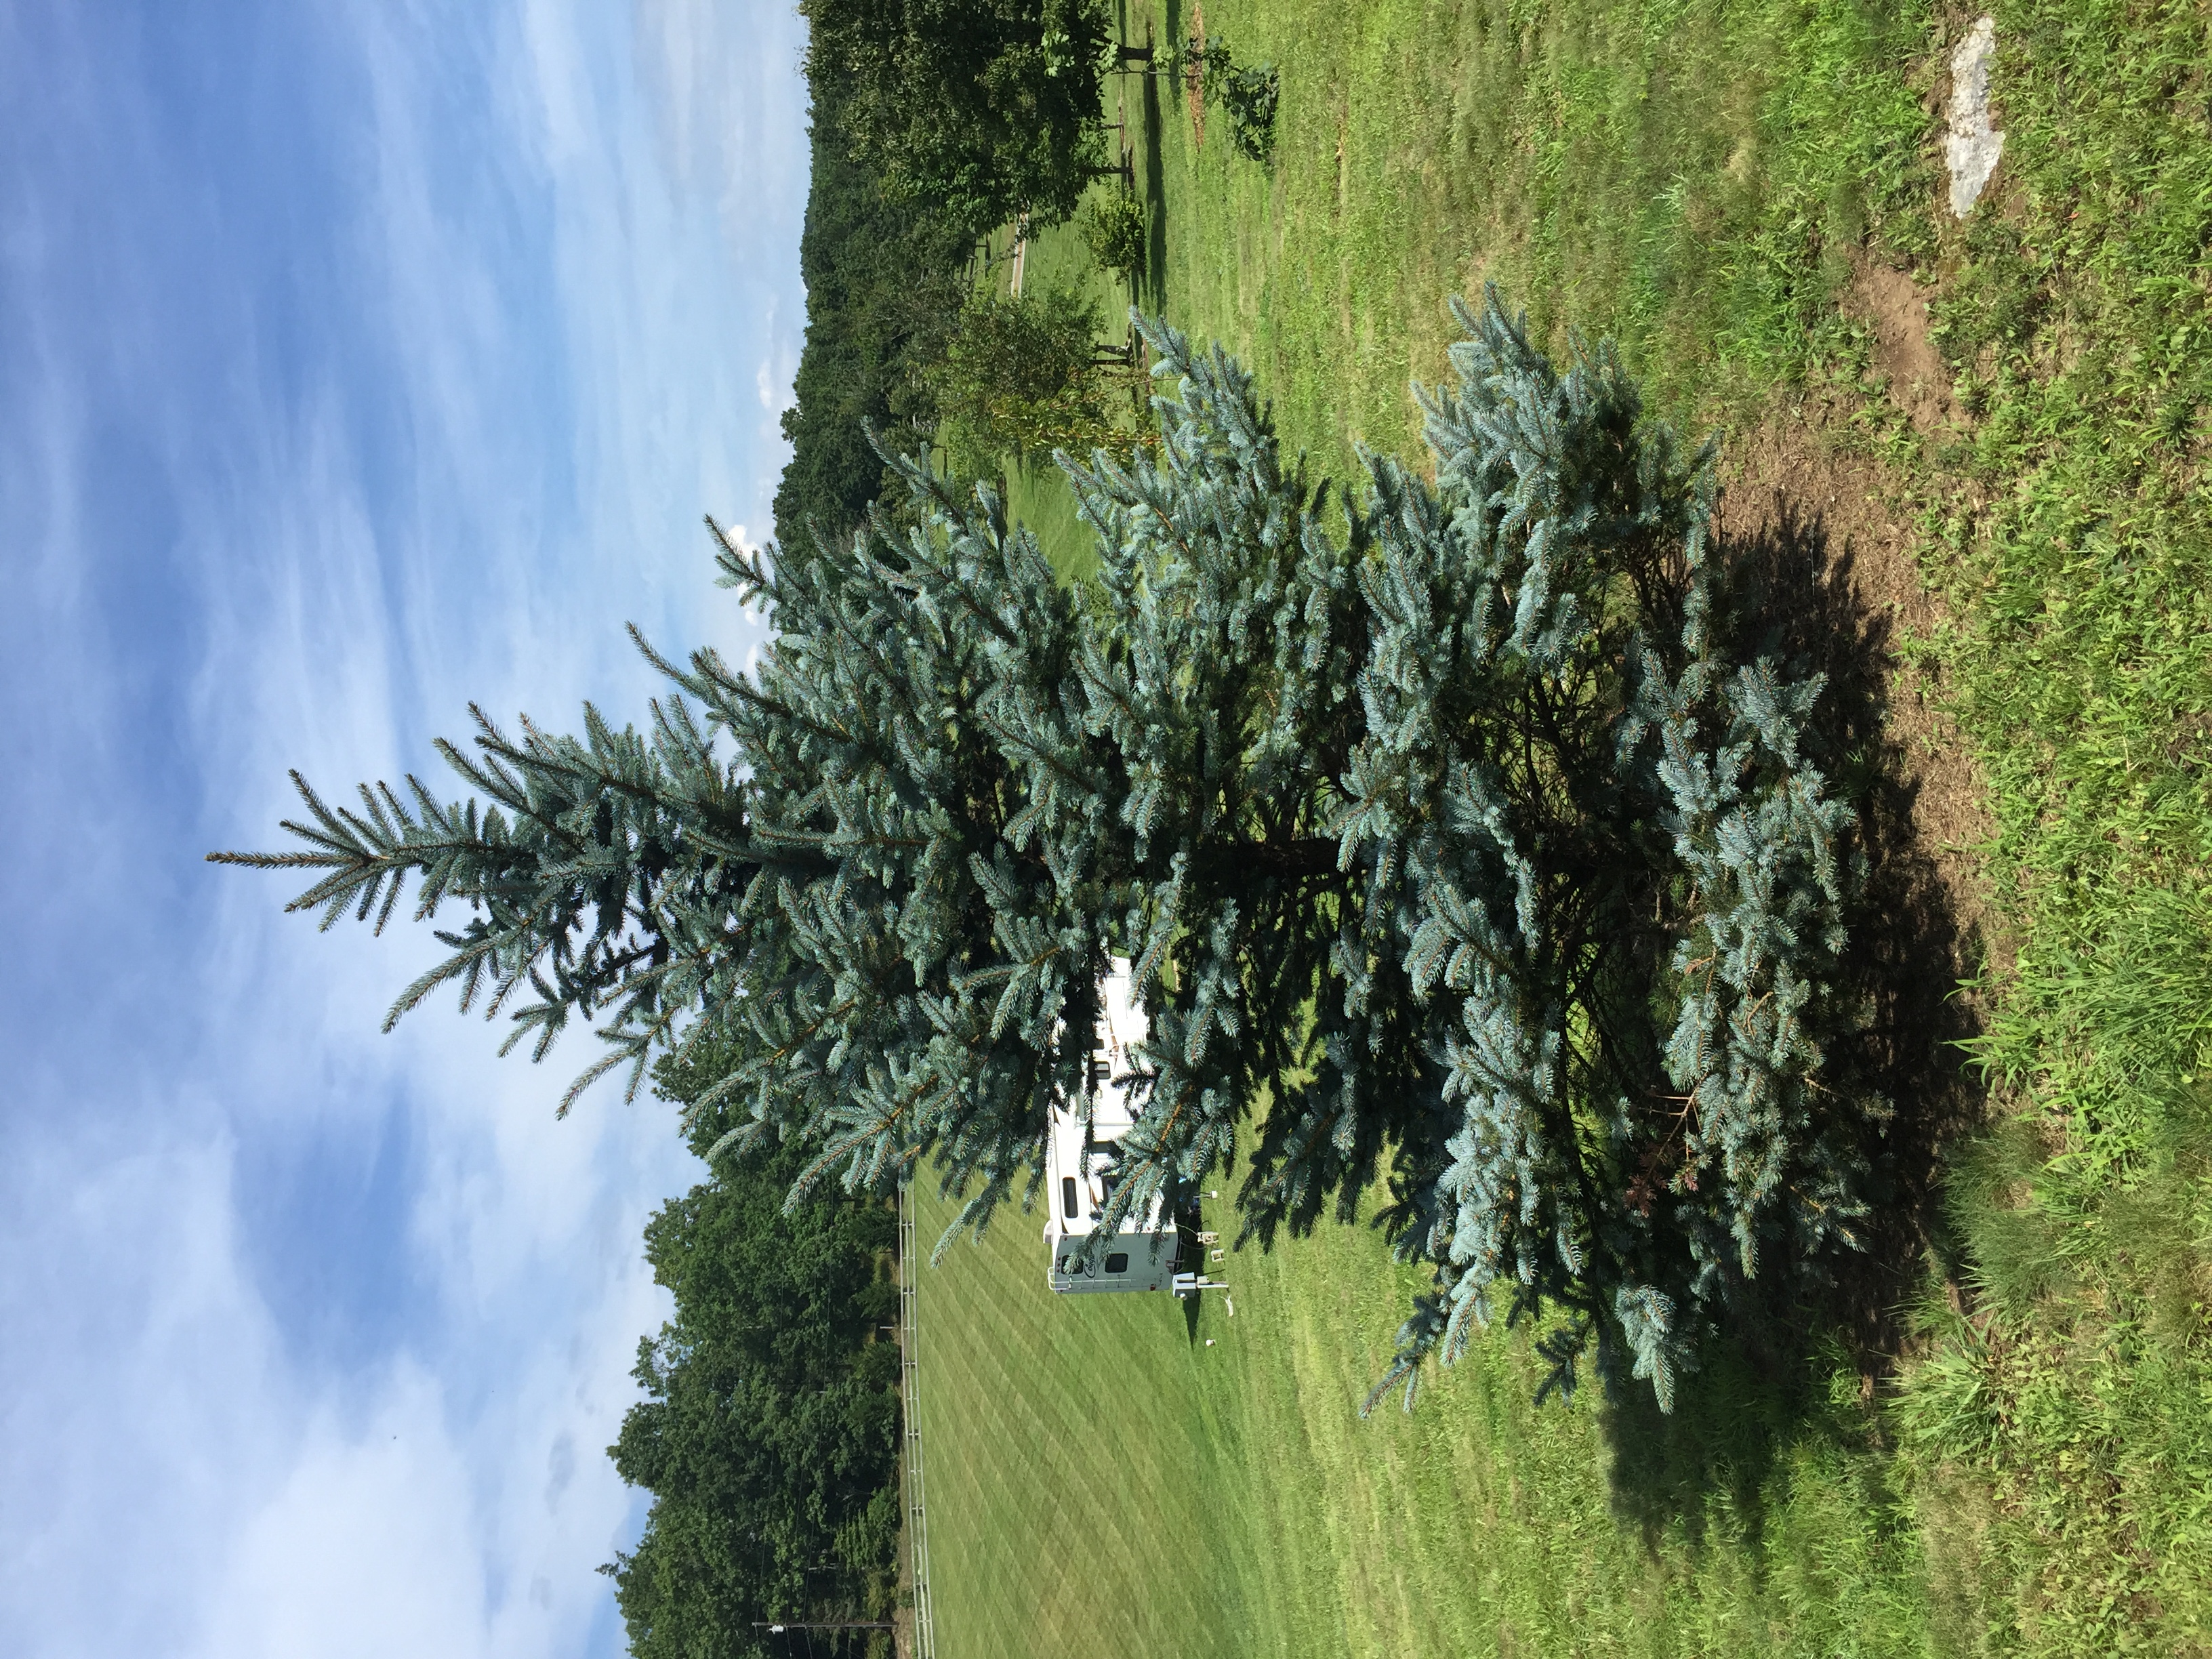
x: 1102, y: 1481
x: 1701, y: 180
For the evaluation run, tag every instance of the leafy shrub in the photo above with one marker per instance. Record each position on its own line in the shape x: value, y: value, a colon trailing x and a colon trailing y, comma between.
x: 1116, y: 228
x: 1247, y: 95
x: 1020, y: 377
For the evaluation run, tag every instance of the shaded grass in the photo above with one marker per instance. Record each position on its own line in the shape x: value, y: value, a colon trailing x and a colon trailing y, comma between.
x: 2071, y: 1417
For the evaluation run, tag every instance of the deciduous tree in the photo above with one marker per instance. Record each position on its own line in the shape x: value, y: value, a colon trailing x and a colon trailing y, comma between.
x: 1019, y: 376
x: 985, y: 109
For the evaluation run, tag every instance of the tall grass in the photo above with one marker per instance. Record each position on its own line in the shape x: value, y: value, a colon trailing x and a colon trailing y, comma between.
x: 2061, y: 1422
x: 2060, y: 1437
x: 2066, y: 1398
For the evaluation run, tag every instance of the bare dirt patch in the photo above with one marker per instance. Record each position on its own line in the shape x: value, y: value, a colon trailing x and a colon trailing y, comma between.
x: 1788, y: 480
x: 1891, y: 303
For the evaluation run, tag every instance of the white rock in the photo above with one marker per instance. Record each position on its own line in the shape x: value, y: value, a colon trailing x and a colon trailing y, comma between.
x: 1972, y: 146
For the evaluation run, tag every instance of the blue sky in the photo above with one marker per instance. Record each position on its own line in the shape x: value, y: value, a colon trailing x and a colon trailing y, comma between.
x: 356, y: 361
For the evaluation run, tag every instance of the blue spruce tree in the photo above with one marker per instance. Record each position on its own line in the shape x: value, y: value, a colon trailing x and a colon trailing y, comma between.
x: 1456, y: 845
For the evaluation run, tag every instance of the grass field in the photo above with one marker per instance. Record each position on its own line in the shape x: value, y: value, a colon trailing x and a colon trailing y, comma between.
x: 1709, y: 183
x: 1104, y: 1481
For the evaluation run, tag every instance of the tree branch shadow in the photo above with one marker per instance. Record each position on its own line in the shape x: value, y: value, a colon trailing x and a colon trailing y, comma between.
x: 1813, y: 1368
x: 1155, y: 189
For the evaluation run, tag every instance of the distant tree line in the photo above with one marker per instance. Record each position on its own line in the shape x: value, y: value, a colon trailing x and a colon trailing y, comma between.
x: 769, y: 1432
x: 882, y: 284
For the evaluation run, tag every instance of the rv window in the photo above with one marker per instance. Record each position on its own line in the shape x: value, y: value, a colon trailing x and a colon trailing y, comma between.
x: 1117, y: 1263
x: 1067, y: 1195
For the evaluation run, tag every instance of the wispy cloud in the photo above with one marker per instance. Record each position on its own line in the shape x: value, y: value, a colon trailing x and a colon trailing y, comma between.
x: 352, y: 371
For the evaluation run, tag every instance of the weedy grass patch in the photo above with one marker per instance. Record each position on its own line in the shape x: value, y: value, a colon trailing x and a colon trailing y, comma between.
x: 2070, y: 523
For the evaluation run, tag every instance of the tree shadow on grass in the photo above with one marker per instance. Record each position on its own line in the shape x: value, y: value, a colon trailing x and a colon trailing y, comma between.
x: 1155, y: 281
x: 1803, y: 1375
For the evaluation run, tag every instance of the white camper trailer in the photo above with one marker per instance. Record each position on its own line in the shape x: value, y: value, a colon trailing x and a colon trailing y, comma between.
x: 1141, y: 1256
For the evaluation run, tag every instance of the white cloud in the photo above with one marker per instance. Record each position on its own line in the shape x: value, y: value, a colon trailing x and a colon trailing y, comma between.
x: 166, y: 1367
x: 369, y: 1546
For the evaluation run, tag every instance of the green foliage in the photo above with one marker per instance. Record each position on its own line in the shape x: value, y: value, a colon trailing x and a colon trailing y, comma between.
x: 882, y: 288
x: 981, y: 109
x: 1116, y: 228
x: 1424, y: 838
x: 1695, y: 176
x: 2074, y: 532
x: 595, y: 880
x: 1247, y: 94
x: 1575, y: 810
x: 1691, y: 176
x: 1020, y: 376
x: 769, y: 1432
